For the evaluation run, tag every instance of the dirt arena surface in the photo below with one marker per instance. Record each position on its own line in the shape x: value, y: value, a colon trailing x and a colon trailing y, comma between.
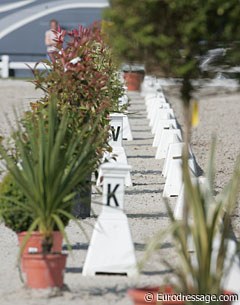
x: 144, y: 206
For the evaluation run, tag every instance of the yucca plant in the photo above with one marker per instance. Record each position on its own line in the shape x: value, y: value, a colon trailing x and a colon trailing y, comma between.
x: 47, y: 164
x: 206, y: 233
x: 202, y: 242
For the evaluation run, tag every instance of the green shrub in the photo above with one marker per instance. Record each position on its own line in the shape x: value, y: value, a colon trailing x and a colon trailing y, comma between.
x: 10, y: 214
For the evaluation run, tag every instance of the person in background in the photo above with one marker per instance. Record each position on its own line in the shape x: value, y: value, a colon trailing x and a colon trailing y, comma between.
x: 49, y: 39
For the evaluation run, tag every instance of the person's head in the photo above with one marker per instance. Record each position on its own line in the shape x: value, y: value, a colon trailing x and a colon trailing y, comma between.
x: 53, y: 24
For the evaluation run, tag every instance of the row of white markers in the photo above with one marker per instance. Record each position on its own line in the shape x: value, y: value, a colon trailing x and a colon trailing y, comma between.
x: 169, y: 144
x: 111, y: 250
x: 168, y: 141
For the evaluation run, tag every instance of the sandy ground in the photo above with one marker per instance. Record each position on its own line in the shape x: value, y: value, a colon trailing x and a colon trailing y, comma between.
x: 143, y: 205
x: 143, y: 202
x: 219, y: 109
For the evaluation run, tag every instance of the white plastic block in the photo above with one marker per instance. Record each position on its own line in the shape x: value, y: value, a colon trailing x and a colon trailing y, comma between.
x: 163, y: 124
x: 127, y: 133
x: 178, y: 211
x: 163, y: 114
x: 168, y: 136
x: 156, y: 118
x: 174, y: 152
x: 121, y: 158
x: 111, y: 250
x: 116, y: 132
x: 154, y: 95
x: 150, y: 85
x: 118, y: 156
x: 174, y: 180
x: 153, y: 105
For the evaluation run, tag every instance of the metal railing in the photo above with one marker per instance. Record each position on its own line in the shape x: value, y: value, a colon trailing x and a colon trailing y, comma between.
x: 6, y: 65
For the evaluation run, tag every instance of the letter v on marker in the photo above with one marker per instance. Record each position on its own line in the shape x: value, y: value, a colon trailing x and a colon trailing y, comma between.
x: 115, y: 136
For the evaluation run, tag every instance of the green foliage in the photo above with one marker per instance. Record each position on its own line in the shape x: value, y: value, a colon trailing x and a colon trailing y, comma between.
x: 84, y: 79
x: 173, y: 35
x: 208, y: 227
x: 12, y: 215
x: 46, y: 170
x: 207, y: 231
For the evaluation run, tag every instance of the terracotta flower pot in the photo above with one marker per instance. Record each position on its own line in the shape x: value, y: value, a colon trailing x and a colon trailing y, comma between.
x: 143, y: 296
x: 133, y: 80
x: 44, y: 271
x: 148, y: 295
x: 34, y: 243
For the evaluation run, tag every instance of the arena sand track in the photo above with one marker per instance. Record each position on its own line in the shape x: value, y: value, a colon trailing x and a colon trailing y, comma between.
x: 144, y: 205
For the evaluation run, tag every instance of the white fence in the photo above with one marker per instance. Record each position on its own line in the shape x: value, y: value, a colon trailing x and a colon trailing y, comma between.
x: 6, y: 65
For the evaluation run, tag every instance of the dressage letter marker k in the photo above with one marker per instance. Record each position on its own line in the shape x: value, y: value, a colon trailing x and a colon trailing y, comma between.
x: 111, y: 194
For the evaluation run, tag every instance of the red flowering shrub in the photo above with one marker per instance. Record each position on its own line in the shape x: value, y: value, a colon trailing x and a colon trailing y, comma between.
x: 84, y: 79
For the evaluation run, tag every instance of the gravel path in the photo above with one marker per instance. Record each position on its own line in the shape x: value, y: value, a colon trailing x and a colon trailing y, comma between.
x: 143, y: 205
x: 219, y: 109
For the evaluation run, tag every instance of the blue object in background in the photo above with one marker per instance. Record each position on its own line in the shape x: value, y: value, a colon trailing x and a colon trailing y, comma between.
x: 27, y: 42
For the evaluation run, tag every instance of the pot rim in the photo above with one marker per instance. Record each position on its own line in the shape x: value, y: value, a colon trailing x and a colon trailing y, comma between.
x: 169, y: 286
x: 40, y: 255
x: 35, y: 232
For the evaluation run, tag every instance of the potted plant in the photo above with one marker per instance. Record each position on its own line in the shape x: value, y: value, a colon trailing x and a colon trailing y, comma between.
x: 15, y: 220
x: 85, y: 79
x: 172, y: 38
x: 46, y: 166
x: 202, y: 242
x: 133, y: 76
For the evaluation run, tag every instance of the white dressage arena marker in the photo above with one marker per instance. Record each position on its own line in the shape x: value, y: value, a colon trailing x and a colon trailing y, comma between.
x: 118, y: 153
x: 178, y: 211
x: 111, y: 249
x: 153, y: 105
x: 151, y: 96
x: 118, y: 156
x: 150, y: 85
x: 116, y: 124
x: 174, y: 152
x: 157, y: 116
x: 163, y: 114
x: 168, y: 136
x: 127, y: 133
x: 231, y: 282
x: 174, y: 181
x: 163, y: 124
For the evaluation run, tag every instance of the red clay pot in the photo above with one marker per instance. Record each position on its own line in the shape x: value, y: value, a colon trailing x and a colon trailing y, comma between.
x: 143, y: 296
x: 44, y: 271
x: 133, y: 80
x: 34, y: 243
x: 148, y: 295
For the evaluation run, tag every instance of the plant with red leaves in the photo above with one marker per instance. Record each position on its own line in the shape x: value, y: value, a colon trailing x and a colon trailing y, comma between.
x: 84, y: 78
